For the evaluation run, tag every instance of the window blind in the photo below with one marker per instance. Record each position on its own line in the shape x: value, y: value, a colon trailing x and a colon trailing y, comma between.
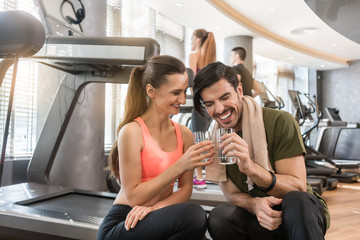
x: 131, y: 18
x: 22, y: 133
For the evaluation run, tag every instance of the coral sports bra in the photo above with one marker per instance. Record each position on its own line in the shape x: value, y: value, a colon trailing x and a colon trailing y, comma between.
x: 154, y: 160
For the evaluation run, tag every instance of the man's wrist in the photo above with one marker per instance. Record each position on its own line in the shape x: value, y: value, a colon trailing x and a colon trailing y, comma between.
x: 272, y: 184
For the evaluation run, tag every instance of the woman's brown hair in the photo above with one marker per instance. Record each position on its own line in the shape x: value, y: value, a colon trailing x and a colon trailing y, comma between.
x: 154, y: 72
x: 208, y: 47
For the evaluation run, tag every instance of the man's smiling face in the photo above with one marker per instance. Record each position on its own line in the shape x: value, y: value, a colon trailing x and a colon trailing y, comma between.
x: 223, y: 103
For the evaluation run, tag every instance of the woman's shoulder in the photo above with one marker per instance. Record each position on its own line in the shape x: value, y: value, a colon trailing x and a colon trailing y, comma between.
x: 131, y: 129
x: 186, y: 135
x: 184, y: 130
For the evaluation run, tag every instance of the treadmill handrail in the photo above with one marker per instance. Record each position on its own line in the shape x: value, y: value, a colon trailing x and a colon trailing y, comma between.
x: 104, y: 50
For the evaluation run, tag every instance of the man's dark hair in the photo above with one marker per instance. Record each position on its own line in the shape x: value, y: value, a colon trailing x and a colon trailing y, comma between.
x: 241, y: 51
x: 209, y: 75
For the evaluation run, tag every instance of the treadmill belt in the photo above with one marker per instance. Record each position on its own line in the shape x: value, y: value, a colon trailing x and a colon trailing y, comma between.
x: 71, y: 206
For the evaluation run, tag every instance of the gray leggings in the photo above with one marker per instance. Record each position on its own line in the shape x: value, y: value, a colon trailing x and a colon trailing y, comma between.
x: 179, y: 221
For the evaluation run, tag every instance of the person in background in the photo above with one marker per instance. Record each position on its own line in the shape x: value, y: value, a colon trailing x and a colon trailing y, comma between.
x: 150, y: 154
x: 204, y: 52
x: 267, y: 191
x: 249, y: 84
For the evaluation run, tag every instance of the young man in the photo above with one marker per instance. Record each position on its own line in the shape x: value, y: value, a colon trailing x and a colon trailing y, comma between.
x: 237, y: 58
x: 267, y: 190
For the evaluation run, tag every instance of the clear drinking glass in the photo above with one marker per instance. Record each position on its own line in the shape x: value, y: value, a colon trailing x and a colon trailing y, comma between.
x: 222, y: 158
x: 200, y: 136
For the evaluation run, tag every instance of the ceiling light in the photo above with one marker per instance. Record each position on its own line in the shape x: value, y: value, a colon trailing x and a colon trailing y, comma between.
x: 305, y: 30
x: 218, y: 28
x: 271, y: 9
x: 291, y: 58
x: 322, y: 65
x: 178, y: 4
x: 333, y: 44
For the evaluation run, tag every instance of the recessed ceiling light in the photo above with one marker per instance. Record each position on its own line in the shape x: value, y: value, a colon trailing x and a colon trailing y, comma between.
x: 258, y: 47
x: 291, y: 58
x: 322, y: 65
x: 305, y: 30
x: 218, y: 28
x: 333, y: 44
x: 271, y: 9
x: 178, y: 4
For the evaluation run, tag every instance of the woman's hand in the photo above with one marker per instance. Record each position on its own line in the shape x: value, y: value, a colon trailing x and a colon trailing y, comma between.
x: 193, y: 157
x: 136, y: 214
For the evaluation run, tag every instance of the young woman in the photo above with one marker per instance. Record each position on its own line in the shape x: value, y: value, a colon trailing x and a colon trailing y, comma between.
x: 204, y: 49
x: 204, y: 52
x: 150, y: 154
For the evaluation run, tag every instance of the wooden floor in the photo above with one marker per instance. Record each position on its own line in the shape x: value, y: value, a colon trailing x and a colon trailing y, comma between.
x: 344, y: 206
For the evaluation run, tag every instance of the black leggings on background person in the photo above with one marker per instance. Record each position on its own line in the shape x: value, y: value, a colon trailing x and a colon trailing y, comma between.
x: 175, y: 222
x: 199, y: 122
x: 302, y: 219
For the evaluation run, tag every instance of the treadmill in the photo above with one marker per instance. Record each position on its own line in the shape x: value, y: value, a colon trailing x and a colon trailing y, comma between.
x: 39, y: 209
x: 277, y: 103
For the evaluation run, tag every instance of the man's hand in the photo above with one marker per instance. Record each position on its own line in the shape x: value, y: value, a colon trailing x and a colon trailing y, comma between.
x: 235, y: 146
x: 267, y: 217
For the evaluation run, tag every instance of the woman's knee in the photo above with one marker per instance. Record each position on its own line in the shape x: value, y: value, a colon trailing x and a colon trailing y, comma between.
x: 194, y: 214
x: 219, y: 216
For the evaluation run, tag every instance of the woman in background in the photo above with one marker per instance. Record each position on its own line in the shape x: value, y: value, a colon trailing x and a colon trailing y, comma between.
x: 150, y: 154
x: 204, y: 52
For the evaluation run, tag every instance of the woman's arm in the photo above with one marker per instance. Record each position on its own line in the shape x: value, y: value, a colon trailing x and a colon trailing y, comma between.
x: 193, y: 62
x: 138, y: 192
x: 185, y: 181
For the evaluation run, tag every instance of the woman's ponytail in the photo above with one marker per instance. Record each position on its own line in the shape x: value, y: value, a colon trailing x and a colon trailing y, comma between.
x: 208, y: 50
x: 135, y: 105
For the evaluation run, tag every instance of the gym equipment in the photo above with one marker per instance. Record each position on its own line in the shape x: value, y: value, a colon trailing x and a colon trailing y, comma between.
x: 79, y: 14
x: 338, y: 139
x: 61, y: 18
x: 22, y: 38
x: 314, y: 157
x: 302, y: 112
x: 265, y: 100
x: 40, y: 208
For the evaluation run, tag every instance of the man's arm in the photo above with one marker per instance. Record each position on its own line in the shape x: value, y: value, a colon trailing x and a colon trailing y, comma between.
x: 260, y: 207
x: 291, y: 176
x: 255, y: 89
x: 235, y: 196
x: 290, y: 172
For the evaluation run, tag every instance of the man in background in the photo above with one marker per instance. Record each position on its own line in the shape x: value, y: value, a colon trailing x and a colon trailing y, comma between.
x: 250, y: 86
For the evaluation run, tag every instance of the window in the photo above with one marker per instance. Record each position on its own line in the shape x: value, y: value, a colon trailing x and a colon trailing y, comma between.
x: 131, y: 18
x: 280, y: 77
x: 22, y: 132
x: 127, y: 18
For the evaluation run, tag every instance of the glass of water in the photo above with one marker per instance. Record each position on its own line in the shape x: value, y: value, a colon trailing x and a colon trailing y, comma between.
x: 223, y: 159
x: 200, y: 136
